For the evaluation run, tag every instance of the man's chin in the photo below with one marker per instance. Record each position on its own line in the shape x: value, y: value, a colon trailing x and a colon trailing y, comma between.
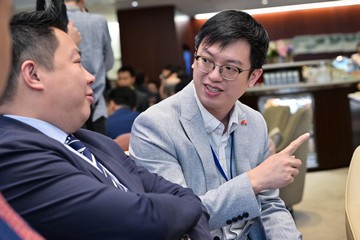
x: 85, y: 118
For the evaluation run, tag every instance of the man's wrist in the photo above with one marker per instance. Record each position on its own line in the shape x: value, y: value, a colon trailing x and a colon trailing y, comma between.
x: 256, y: 186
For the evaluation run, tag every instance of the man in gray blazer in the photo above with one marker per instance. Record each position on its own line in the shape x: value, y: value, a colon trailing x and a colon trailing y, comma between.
x: 205, y: 139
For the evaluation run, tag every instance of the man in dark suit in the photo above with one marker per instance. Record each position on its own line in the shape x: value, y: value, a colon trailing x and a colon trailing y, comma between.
x: 59, y: 189
x: 121, y: 103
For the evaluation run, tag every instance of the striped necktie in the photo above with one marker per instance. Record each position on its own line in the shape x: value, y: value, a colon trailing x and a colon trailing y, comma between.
x: 78, y: 146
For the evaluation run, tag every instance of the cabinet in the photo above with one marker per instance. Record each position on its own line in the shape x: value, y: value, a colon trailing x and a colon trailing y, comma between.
x: 288, y: 72
x: 332, y: 122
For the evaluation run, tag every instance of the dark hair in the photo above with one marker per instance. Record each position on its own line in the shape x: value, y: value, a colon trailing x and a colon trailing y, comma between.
x: 129, y: 69
x: 231, y: 25
x: 122, y: 96
x: 33, y: 38
x: 157, y: 83
x: 77, y: 1
x: 59, y: 7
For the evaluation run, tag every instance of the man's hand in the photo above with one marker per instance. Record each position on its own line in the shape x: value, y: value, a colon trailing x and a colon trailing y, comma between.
x: 279, y: 169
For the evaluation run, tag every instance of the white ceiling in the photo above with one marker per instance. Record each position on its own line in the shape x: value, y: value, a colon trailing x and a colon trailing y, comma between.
x: 189, y: 7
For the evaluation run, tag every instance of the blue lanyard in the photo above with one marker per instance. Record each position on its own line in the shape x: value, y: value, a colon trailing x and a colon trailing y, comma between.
x: 217, y: 163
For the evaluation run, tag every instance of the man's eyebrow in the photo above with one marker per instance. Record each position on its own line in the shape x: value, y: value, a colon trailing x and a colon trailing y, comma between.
x: 229, y: 61
x: 76, y: 52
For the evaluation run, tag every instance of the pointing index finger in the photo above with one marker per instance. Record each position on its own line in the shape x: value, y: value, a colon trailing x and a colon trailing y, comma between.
x: 294, y: 145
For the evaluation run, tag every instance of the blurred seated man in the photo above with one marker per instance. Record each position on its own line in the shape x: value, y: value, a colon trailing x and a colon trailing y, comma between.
x: 153, y: 92
x: 127, y: 78
x: 72, y: 183
x: 121, y: 110
x: 169, y: 78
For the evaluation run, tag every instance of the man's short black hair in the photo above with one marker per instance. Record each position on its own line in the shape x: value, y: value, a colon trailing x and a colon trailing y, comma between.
x: 33, y: 38
x: 122, y: 96
x: 228, y: 26
x: 127, y: 68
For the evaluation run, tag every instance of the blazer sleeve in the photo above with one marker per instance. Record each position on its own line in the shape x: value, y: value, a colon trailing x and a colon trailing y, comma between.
x: 62, y: 202
x: 107, y: 49
x: 200, y: 228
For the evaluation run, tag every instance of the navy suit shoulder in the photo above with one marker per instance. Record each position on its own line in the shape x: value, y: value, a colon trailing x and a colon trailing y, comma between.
x: 62, y: 197
x: 120, y: 122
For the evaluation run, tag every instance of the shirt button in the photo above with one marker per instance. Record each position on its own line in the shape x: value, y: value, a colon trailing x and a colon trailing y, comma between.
x: 240, y: 217
x: 216, y: 238
x: 235, y: 219
x: 246, y: 215
x: 228, y: 222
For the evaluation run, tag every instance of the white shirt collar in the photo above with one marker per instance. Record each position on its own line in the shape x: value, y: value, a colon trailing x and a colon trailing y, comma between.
x: 212, y: 123
x: 44, y: 127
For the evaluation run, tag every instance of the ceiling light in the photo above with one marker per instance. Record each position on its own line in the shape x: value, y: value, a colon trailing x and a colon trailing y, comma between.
x: 134, y: 3
x: 289, y: 8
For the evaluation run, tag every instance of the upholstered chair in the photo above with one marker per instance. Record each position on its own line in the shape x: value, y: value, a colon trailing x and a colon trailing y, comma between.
x: 352, y: 198
x: 283, y: 129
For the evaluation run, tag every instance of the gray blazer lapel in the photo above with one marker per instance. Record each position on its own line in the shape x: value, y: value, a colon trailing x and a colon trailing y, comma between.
x: 193, y: 125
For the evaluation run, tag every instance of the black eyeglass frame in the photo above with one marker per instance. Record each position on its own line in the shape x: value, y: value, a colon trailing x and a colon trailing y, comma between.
x: 220, y: 66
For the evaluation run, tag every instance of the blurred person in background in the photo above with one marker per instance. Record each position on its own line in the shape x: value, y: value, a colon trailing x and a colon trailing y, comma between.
x: 169, y: 77
x: 97, y: 56
x: 121, y: 109
x: 153, y: 92
x: 126, y: 77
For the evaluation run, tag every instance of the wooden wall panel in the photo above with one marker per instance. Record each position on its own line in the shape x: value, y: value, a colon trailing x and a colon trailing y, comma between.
x: 148, y: 39
x: 314, y: 21
x: 302, y: 22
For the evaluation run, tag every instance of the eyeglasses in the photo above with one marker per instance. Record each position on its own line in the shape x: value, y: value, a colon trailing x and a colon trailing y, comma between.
x: 228, y: 72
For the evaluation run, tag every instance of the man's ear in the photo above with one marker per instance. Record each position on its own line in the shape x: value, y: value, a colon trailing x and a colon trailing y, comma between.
x: 254, y: 76
x: 111, y: 106
x: 30, y: 75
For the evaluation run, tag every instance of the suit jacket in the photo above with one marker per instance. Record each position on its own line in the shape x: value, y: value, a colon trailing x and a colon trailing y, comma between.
x: 170, y: 139
x: 142, y: 101
x: 120, y: 122
x: 63, y: 197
